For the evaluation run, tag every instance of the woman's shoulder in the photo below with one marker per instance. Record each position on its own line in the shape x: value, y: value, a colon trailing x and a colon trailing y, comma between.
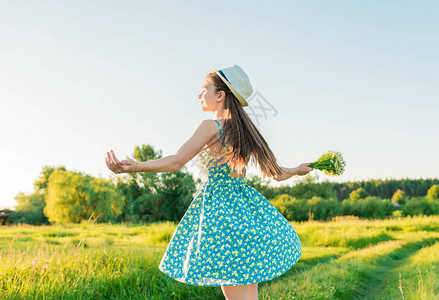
x: 209, y: 127
x: 209, y: 121
x: 212, y: 124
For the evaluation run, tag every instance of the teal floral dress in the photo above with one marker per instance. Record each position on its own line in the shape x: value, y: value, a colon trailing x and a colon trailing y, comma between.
x: 230, y: 234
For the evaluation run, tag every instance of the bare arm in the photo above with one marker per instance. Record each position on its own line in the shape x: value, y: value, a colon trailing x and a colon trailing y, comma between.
x: 288, y: 172
x: 172, y: 163
x: 301, y: 169
x: 165, y: 164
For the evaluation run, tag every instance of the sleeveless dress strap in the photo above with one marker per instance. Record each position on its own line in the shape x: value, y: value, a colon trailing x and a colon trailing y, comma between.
x: 221, y: 132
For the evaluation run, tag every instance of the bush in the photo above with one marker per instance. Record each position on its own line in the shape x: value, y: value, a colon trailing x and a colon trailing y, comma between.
x: 351, y: 207
x: 324, y: 209
x: 300, y: 209
x: 399, y: 196
x: 420, y: 206
x: 28, y: 217
x: 282, y: 204
x: 291, y: 208
x: 376, y: 208
x: 370, y: 207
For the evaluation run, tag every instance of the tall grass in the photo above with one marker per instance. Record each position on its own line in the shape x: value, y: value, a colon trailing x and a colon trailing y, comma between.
x: 343, y: 259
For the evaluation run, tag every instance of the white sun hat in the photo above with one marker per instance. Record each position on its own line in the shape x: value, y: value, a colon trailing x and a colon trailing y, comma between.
x: 237, y: 81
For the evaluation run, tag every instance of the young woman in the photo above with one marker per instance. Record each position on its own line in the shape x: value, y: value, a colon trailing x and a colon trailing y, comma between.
x: 231, y: 235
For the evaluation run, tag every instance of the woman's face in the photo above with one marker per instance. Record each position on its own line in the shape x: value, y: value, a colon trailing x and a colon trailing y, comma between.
x: 208, y: 97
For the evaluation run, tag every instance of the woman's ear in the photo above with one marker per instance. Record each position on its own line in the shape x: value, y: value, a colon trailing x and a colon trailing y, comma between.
x: 221, y: 94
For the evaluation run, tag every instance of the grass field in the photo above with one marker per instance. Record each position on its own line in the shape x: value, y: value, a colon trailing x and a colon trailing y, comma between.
x: 343, y: 259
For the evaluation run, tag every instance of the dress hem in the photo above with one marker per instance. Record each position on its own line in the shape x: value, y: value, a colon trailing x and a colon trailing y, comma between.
x: 245, y: 283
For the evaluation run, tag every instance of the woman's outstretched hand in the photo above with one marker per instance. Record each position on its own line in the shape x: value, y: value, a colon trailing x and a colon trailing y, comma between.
x: 124, y: 166
x: 303, y: 169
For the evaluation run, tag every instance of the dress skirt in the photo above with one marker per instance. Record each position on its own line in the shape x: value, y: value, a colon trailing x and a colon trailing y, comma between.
x: 230, y: 235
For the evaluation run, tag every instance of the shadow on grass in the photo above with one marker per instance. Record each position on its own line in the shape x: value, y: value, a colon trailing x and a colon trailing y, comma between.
x: 386, y: 264
x: 357, y: 276
x: 363, y: 242
x: 303, y: 265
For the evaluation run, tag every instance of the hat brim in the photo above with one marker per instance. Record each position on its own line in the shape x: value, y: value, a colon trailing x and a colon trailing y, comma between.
x: 235, y: 92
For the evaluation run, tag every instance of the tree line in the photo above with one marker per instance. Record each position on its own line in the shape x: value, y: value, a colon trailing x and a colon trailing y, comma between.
x: 63, y: 196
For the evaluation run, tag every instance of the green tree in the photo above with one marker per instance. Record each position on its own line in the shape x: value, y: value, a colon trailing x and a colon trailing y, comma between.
x: 30, y: 208
x: 73, y: 197
x: 104, y: 200
x: 307, y: 188
x: 399, y: 196
x: 433, y: 193
x: 140, y: 189
x: 359, y: 193
x: 155, y: 196
x: 66, y: 197
x: 43, y: 180
x: 176, y: 193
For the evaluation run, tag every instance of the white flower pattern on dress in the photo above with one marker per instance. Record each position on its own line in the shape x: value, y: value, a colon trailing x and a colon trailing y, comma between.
x: 230, y: 234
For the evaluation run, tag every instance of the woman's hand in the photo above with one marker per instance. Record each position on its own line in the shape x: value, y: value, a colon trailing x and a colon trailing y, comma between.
x: 124, y: 166
x: 303, y: 169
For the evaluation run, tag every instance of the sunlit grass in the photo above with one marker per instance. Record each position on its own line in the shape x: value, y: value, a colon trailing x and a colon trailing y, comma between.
x: 417, y: 278
x: 342, y: 259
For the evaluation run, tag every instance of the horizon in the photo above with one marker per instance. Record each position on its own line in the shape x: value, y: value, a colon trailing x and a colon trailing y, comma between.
x: 301, y: 178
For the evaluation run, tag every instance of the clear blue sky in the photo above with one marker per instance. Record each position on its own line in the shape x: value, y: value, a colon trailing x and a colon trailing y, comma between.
x: 78, y: 78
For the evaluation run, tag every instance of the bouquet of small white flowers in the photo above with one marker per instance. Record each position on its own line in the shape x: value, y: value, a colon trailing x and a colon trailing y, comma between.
x: 331, y: 163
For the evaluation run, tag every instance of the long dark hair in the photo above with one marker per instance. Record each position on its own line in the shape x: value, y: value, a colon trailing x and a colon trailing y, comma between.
x: 241, y: 136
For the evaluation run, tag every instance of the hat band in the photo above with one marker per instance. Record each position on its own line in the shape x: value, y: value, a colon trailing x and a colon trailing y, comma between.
x: 222, y: 74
